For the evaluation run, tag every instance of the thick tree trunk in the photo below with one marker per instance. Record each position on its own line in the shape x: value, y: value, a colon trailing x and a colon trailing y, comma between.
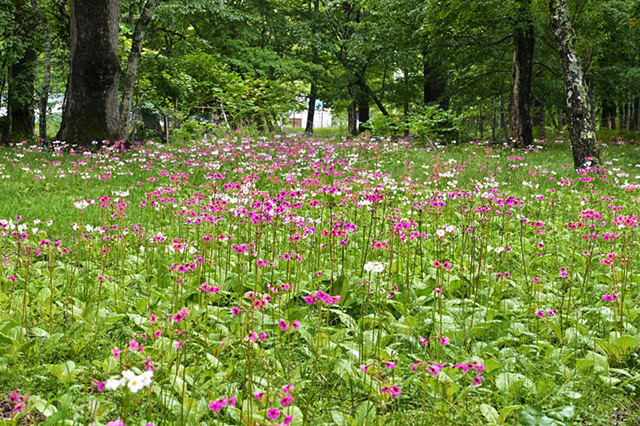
x: 609, y: 113
x: 132, y: 66
x: 521, y: 128
x: 46, y: 80
x: 311, y: 112
x: 352, y: 119
x: 581, y: 126
x: 91, y: 112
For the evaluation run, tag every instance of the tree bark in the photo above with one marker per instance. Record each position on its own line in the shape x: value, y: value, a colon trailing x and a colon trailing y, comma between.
x: 21, y: 99
x: 311, y: 112
x: 132, y: 66
x: 503, y: 124
x: 520, y: 125
x: 543, y: 122
x: 635, y: 115
x: 46, y: 80
x: 352, y: 120
x: 580, y: 120
x: 434, y: 85
x: 363, y: 114
x: 91, y: 112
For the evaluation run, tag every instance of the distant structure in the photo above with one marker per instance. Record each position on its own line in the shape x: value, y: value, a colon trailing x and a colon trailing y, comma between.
x: 322, y: 117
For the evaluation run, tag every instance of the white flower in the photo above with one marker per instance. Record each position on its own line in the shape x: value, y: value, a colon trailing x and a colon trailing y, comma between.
x: 135, y: 383
x: 146, y: 377
x: 374, y: 267
x: 440, y: 232
x: 112, y: 383
x: 128, y: 375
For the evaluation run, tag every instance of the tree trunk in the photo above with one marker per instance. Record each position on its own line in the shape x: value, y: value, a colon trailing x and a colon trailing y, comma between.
x: 308, y: 130
x: 363, y: 114
x: 543, y: 122
x: 91, y: 113
x: 521, y: 128
x: 608, y: 118
x: 481, y: 121
x: 21, y: 99
x: 581, y: 126
x: 434, y: 85
x: 132, y: 66
x: 352, y: 121
x: 503, y: 124
x: 365, y: 87
x: 46, y: 80
x: 635, y: 115
x: 493, y: 121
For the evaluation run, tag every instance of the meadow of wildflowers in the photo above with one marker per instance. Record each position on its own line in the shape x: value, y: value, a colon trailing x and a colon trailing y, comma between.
x: 290, y: 281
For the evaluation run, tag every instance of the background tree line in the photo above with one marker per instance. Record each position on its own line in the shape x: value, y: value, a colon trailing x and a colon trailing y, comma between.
x: 131, y: 69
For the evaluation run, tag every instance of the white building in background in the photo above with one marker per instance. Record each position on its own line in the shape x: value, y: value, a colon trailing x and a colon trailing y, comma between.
x: 321, y: 118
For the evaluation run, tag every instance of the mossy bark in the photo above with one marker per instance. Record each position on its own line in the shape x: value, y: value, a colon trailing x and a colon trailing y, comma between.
x: 580, y: 120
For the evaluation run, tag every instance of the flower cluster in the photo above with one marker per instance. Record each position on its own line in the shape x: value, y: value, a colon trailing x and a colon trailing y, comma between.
x: 374, y: 266
x: 220, y: 403
x: 131, y: 380
x: 321, y: 296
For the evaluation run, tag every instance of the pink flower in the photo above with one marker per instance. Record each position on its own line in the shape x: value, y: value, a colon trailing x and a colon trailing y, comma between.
x: 286, y: 401
x: 259, y: 395
x: 253, y: 336
x: 288, y: 420
x: 295, y: 324
x: 153, y: 319
x: 364, y: 367
x: 286, y: 389
x: 116, y: 352
x: 477, y: 381
x: 273, y: 413
x: 435, y: 368
x: 116, y: 422
x: 390, y: 365
x: 437, y: 290
x: 283, y: 324
x: 444, y: 340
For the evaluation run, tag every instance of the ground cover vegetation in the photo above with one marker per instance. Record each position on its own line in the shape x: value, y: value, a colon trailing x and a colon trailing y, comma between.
x: 305, y: 281
x: 171, y: 254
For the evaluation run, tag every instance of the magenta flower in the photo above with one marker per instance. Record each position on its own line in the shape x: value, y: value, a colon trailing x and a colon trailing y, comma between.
x: 116, y: 352
x: 273, y: 413
x: 295, y: 324
x: 283, y: 324
x: 286, y: 401
x: 116, y: 422
x: 444, y: 340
